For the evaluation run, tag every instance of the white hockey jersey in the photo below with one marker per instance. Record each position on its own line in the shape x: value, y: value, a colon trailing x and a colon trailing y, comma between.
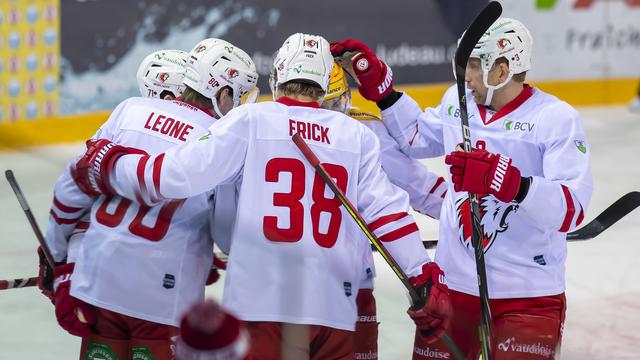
x: 525, y: 244
x: 146, y: 262
x: 295, y: 253
x: 426, y: 190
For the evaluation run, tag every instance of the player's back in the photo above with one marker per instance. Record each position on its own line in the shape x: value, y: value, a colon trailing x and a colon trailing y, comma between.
x: 147, y: 262
x: 292, y: 244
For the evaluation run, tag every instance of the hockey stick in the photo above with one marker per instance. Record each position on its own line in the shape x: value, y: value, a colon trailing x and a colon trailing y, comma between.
x: 18, y: 283
x: 32, y: 220
x: 417, y: 300
x: 470, y: 38
x: 608, y: 217
x: 611, y: 215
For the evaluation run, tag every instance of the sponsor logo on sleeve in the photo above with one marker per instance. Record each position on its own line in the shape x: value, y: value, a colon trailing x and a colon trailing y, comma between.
x: 581, y: 145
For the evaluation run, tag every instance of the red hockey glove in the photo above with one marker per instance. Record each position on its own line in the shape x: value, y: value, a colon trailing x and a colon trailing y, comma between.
x: 214, y: 275
x: 73, y: 315
x: 207, y: 329
x: 375, y: 77
x: 482, y: 172
x: 45, y: 275
x: 433, y: 317
x: 94, y: 167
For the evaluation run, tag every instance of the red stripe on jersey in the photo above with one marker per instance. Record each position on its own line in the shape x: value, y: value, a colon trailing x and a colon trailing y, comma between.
x: 157, y: 168
x: 384, y: 220
x: 437, y: 185
x: 399, y: 233
x: 571, y: 210
x: 63, y: 207
x: 580, y: 217
x: 443, y: 194
x: 414, y: 136
x: 82, y: 225
x: 142, y: 163
x: 62, y: 221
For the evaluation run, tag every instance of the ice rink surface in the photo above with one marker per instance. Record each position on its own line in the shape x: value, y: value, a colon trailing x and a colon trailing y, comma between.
x: 603, y: 276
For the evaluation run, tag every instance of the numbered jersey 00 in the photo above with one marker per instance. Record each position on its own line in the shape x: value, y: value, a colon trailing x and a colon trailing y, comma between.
x: 147, y: 262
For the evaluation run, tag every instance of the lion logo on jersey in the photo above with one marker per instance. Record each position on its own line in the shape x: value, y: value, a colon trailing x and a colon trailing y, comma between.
x: 493, y: 219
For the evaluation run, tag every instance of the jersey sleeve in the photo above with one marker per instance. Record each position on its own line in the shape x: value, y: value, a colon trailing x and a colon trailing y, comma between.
x: 67, y: 215
x: 188, y: 169
x: 418, y: 133
x: 558, y: 200
x: 426, y: 190
x: 384, y: 207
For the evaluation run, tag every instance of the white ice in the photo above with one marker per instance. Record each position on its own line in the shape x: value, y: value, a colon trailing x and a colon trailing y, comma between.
x: 603, y: 280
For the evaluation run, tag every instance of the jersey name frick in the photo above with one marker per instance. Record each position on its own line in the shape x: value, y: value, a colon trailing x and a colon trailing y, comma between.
x: 501, y: 169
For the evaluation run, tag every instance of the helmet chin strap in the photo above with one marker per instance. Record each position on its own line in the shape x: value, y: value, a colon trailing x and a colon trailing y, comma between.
x: 492, y: 88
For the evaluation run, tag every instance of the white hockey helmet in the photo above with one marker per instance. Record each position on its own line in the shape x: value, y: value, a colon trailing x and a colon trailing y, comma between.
x: 506, y: 38
x: 161, y: 72
x: 214, y: 64
x: 302, y: 57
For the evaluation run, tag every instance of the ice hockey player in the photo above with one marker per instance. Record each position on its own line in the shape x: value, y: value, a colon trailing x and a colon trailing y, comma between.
x: 140, y: 267
x: 530, y: 167
x: 159, y: 75
x: 288, y: 233
x: 426, y: 192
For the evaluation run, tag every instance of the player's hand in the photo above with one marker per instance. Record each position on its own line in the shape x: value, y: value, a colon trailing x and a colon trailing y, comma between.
x: 214, y: 275
x: 73, y: 315
x: 434, y: 316
x: 482, y: 172
x: 375, y: 78
x: 94, y: 167
x: 45, y: 275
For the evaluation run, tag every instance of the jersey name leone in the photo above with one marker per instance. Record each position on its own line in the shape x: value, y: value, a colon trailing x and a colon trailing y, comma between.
x: 168, y: 126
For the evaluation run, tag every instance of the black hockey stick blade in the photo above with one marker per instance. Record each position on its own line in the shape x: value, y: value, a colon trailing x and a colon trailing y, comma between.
x: 608, y: 217
x: 470, y: 38
x: 27, y: 212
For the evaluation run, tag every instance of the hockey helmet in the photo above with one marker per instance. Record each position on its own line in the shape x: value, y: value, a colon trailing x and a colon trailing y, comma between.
x: 162, y: 72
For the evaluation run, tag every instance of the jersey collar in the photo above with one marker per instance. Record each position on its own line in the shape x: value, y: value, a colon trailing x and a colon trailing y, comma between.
x: 293, y: 102
x: 205, y: 110
x: 512, y: 105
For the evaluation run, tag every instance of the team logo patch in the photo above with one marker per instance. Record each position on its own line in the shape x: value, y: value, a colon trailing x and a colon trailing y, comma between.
x: 347, y: 288
x: 199, y: 49
x: 581, y: 145
x: 311, y: 43
x: 232, y: 73
x: 169, y: 281
x: 362, y: 64
x: 493, y: 219
x: 163, y: 77
x: 503, y: 43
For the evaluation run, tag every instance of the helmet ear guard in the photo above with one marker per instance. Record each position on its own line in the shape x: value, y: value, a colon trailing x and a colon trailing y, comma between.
x: 162, y: 72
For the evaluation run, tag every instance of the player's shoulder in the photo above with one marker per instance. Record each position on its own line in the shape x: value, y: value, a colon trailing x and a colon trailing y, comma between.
x: 550, y: 106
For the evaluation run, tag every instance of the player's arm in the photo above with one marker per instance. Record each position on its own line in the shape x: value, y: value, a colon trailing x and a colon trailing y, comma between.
x: 559, y: 199
x: 183, y: 171
x: 418, y: 133
x: 555, y: 201
x: 426, y: 190
x: 384, y: 207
